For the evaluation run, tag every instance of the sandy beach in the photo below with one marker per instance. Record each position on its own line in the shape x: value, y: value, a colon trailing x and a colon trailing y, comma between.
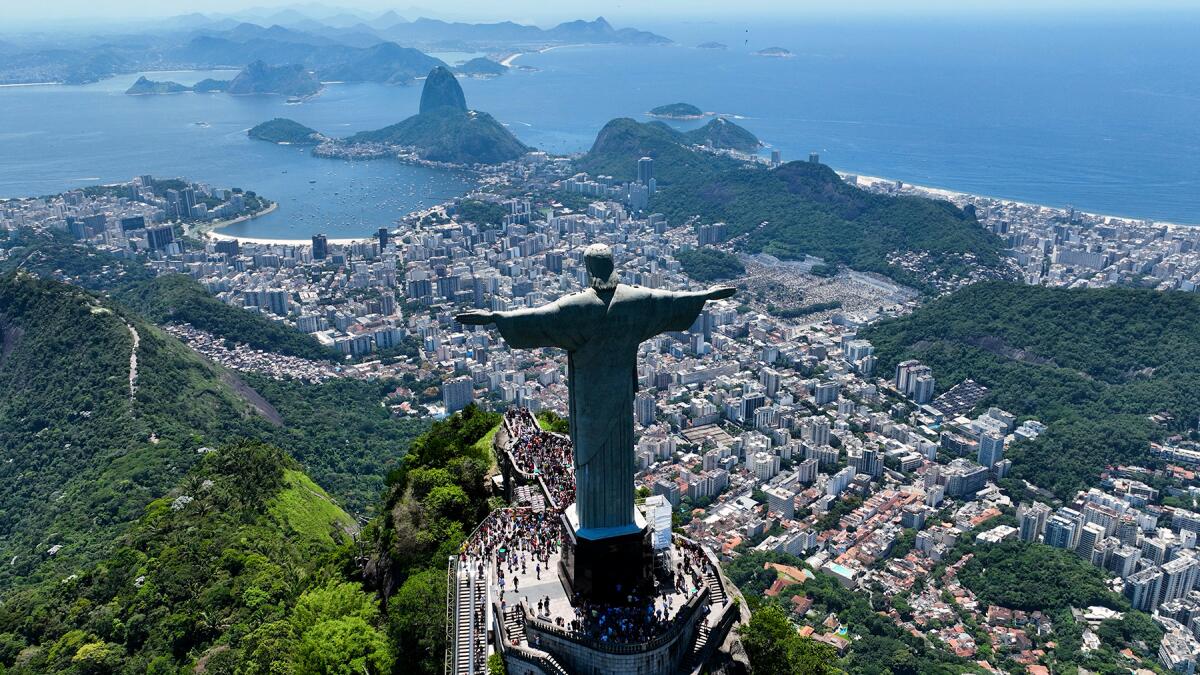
x: 212, y: 231
x: 217, y: 236
x: 945, y: 193
x: 511, y: 58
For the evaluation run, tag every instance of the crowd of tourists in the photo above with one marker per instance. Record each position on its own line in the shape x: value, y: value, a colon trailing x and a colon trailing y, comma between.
x: 514, y: 542
x: 545, y: 455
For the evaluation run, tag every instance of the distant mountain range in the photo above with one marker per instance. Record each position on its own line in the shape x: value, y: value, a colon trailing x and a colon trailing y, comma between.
x: 433, y: 32
x: 335, y: 48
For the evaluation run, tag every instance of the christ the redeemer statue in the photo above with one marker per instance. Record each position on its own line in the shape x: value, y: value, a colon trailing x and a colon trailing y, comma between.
x: 601, y: 328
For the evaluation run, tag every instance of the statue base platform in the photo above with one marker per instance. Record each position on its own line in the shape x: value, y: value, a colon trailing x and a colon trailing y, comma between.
x: 608, y: 568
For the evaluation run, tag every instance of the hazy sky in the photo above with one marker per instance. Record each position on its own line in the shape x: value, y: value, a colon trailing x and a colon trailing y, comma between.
x: 547, y: 12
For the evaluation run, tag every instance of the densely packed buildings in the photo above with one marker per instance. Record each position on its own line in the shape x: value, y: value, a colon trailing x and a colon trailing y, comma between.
x: 761, y: 433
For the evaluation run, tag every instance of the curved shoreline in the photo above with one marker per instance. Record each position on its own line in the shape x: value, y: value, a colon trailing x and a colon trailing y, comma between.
x: 210, y: 231
x: 949, y: 193
x: 206, y: 228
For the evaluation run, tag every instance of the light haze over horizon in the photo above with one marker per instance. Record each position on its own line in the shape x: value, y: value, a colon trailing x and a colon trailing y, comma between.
x: 542, y: 13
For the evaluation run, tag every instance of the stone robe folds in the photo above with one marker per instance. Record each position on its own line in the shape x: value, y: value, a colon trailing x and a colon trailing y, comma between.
x: 601, y: 331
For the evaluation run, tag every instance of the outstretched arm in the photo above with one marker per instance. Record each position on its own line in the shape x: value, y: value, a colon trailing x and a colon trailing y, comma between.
x: 677, y: 310
x: 475, y: 318
x: 719, y: 292
x: 528, y: 328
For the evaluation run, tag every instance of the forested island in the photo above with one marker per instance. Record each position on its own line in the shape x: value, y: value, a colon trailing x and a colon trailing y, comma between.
x: 482, y: 67
x: 677, y: 111
x: 283, y: 130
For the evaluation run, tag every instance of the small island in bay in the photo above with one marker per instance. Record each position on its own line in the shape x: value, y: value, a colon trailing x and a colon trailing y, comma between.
x: 678, y: 111
x: 712, y: 45
x: 289, y: 80
x: 482, y: 67
x: 283, y: 130
x: 775, y: 52
x: 145, y: 86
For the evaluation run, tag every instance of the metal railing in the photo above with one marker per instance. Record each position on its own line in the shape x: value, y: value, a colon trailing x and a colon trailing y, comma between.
x: 451, y: 605
x: 673, y: 631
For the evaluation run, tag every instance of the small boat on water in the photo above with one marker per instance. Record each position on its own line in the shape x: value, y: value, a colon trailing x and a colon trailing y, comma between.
x: 294, y: 100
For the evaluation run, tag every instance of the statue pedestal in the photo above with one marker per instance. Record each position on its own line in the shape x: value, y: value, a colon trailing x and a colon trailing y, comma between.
x: 607, y: 568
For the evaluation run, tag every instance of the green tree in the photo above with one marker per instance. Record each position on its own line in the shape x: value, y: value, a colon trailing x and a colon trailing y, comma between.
x: 417, y: 620
x: 344, y: 646
x: 333, y: 601
x: 774, y: 646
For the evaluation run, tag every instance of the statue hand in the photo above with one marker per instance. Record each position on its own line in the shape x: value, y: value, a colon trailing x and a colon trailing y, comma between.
x: 475, y: 318
x: 720, y: 292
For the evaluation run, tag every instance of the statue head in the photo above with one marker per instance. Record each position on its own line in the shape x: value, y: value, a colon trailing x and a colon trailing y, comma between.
x: 598, y: 259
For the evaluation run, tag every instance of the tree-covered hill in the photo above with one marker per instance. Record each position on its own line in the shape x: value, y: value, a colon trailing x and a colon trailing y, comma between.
x: 434, y: 500
x: 799, y: 209
x: 80, y: 457
x: 623, y: 141
x: 262, y: 78
x: 804, y: 208
x: 338, y: 430
x: 238, y: 568
x: 1036, y: 577
x: 709, y: 264
x: 723, y: 134
x: 81, y: 454
x: 1093, y: 364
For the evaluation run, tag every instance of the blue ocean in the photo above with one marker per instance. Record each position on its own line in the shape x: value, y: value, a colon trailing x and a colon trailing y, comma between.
x: 1098, y: 113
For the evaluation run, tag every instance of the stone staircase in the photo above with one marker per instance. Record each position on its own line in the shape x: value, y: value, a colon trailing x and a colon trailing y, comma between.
x: 716, y: 592
x: 514, y: 624
x: 698, y: 654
